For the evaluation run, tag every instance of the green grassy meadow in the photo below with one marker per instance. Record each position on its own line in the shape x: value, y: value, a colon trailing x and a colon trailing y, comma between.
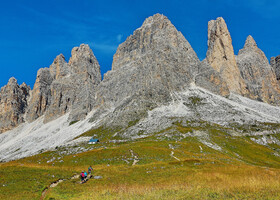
x: 243, y: 169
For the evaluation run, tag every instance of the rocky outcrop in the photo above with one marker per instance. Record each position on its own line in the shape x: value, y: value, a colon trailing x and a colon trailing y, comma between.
x: 259, y: 76
x: 275, y: 63
x: 40, y: 95
x: 61, y: 91
x: 66, y: 86
x: 149, y: 68
x: 157, y: 34
x: 211, y: 80
x: 13, y: 103
x: 86, y: 76
x: 220, y: 55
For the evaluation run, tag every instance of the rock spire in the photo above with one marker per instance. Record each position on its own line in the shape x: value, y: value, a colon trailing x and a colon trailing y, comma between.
x: 13, y: 103
x: 259, y: 76
x: 66, y: 86
x: 220, y: 55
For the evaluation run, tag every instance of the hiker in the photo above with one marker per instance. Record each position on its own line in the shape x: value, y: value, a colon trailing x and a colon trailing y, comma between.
x: 82, y: 177
x: 89, y: 170
x: 85, y: 173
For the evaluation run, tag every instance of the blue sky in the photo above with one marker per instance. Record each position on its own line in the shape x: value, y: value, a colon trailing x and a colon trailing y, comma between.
x: 34, y: 32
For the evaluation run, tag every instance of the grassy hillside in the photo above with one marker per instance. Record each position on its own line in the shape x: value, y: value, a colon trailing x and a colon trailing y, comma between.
x: 215, y: 166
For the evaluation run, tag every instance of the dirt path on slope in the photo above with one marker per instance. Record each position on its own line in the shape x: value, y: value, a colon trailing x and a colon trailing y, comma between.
x: 172, y: 152
x: 54, y: 184
x: 135, y: 157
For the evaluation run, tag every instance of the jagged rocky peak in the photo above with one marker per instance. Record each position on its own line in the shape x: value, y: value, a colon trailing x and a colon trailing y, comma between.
x: 275, y: 63
x: 259, y: 76
x: 250, y: 43
x: 156, y: 34
x: 25, y: 88
x: 65, y: 87
x: 40, y: 95
x: 148, y: 68
x: 83, y: 60
x: 86, y: 76
x: 220, y: 55
x: 59, y: 67
x: 157, y: 19
x: 83, y: 52
x: 12, y: 81
x: 251, y: 46
x: 13, y: 103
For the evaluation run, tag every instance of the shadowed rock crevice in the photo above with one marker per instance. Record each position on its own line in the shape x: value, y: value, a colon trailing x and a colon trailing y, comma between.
x: 275, y: 63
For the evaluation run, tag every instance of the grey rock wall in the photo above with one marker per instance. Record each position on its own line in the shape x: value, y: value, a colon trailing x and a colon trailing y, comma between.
x: 148, y: 68
x: 66, y: 87
x: 13, y: 103
x: 275, y: 63
x: 259, y: 76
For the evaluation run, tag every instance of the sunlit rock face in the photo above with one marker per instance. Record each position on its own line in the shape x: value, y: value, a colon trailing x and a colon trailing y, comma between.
x: 155, y: 67
x: 259, y: 75
x: 13, y: 103
x: 220, y: 55
x: 66, y: 86
x: 149, y: 67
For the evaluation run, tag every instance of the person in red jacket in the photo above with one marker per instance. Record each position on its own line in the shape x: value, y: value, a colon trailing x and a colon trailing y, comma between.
x: 82, y: 177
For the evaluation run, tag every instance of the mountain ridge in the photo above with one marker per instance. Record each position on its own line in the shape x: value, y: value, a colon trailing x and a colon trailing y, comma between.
x: 155, y: 72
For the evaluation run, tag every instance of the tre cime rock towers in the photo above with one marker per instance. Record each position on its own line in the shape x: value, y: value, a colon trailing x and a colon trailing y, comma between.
x: 148, y: 69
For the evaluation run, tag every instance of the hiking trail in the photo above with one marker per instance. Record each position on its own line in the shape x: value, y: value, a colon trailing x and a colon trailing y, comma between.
x: 172, y: 152
x: 55, y: 183
x: 135, y: 157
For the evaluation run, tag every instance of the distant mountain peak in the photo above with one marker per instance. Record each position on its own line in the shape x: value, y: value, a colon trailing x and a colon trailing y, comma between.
x: 157, y: 33
x: 258, y: 74
x: 12, y: 81
x: 250, y: 42
x: 157, y: 18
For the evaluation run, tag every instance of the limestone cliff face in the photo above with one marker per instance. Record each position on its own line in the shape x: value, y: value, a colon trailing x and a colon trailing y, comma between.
x: 149, y: 70
x: 259, y: 76
x: 61, y: 91
x: 220, y: 55
x: 149, y: 67
x: 275, y: 63
x: 156, y: 34
x: 66, y: 86
x: 86, y: 77
x: 13, y: 103
x: 40, y: 95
